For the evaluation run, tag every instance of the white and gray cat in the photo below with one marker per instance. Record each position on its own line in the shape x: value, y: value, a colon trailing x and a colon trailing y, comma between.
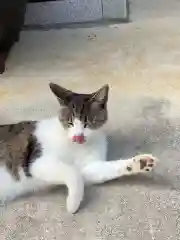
x: 68, y: 149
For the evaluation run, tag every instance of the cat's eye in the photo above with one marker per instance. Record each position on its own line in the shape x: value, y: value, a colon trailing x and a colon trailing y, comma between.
x: 70, y: 123
x: 73, y: 109
x: 95, y: 119
x: 85, y: 121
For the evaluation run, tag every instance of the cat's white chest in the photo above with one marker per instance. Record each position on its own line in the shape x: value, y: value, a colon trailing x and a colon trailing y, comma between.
x: 93, y: 150
x: 54, y: 142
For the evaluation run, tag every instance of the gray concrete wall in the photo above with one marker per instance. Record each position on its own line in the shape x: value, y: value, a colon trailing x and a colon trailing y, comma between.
x: 73, y: 11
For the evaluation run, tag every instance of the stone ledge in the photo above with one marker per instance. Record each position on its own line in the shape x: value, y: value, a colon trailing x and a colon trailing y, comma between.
x: 75, y: 11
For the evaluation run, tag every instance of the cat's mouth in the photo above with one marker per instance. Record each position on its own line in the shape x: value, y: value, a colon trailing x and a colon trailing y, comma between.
x: 79, y: 138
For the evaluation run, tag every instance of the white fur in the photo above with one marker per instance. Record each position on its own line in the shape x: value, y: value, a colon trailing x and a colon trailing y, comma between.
x: 68, y: 163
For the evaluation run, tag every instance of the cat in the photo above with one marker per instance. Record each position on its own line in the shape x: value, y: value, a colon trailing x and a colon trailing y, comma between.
x: 68, y: 149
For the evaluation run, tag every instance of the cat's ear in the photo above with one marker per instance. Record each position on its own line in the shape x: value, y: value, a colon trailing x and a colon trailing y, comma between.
x: 63, y: 95
x: 101, y: 96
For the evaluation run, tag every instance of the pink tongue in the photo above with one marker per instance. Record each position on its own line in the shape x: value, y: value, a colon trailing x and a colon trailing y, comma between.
x: 79, y: 139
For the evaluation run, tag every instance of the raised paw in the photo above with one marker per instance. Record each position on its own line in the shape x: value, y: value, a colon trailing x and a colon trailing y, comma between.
x: 142, y: 163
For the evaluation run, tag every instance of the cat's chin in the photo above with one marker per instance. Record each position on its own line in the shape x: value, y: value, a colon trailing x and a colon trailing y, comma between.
x: 79, y: 143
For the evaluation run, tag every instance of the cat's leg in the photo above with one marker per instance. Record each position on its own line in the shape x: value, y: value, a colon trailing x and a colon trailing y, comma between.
x: 103, y: 171
x: 56, y: 172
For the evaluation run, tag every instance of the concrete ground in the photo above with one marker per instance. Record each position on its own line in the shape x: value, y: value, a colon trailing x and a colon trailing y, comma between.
x: 141, y: 63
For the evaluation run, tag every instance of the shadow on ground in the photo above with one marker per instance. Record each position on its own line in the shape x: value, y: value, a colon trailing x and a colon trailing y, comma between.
x: 151, y: 131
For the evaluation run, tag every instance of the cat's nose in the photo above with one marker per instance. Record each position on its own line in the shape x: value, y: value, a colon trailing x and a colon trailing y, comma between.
x: 79, y: 138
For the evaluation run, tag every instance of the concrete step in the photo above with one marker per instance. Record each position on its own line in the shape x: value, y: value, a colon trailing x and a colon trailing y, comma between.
x: 75, y: 11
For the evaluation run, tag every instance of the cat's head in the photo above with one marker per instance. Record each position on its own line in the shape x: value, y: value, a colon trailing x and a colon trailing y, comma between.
x: 81, y: 114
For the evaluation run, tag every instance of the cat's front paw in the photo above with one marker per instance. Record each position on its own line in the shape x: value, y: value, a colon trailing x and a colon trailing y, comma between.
x: 142, y: 163
x: 72, y: 205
